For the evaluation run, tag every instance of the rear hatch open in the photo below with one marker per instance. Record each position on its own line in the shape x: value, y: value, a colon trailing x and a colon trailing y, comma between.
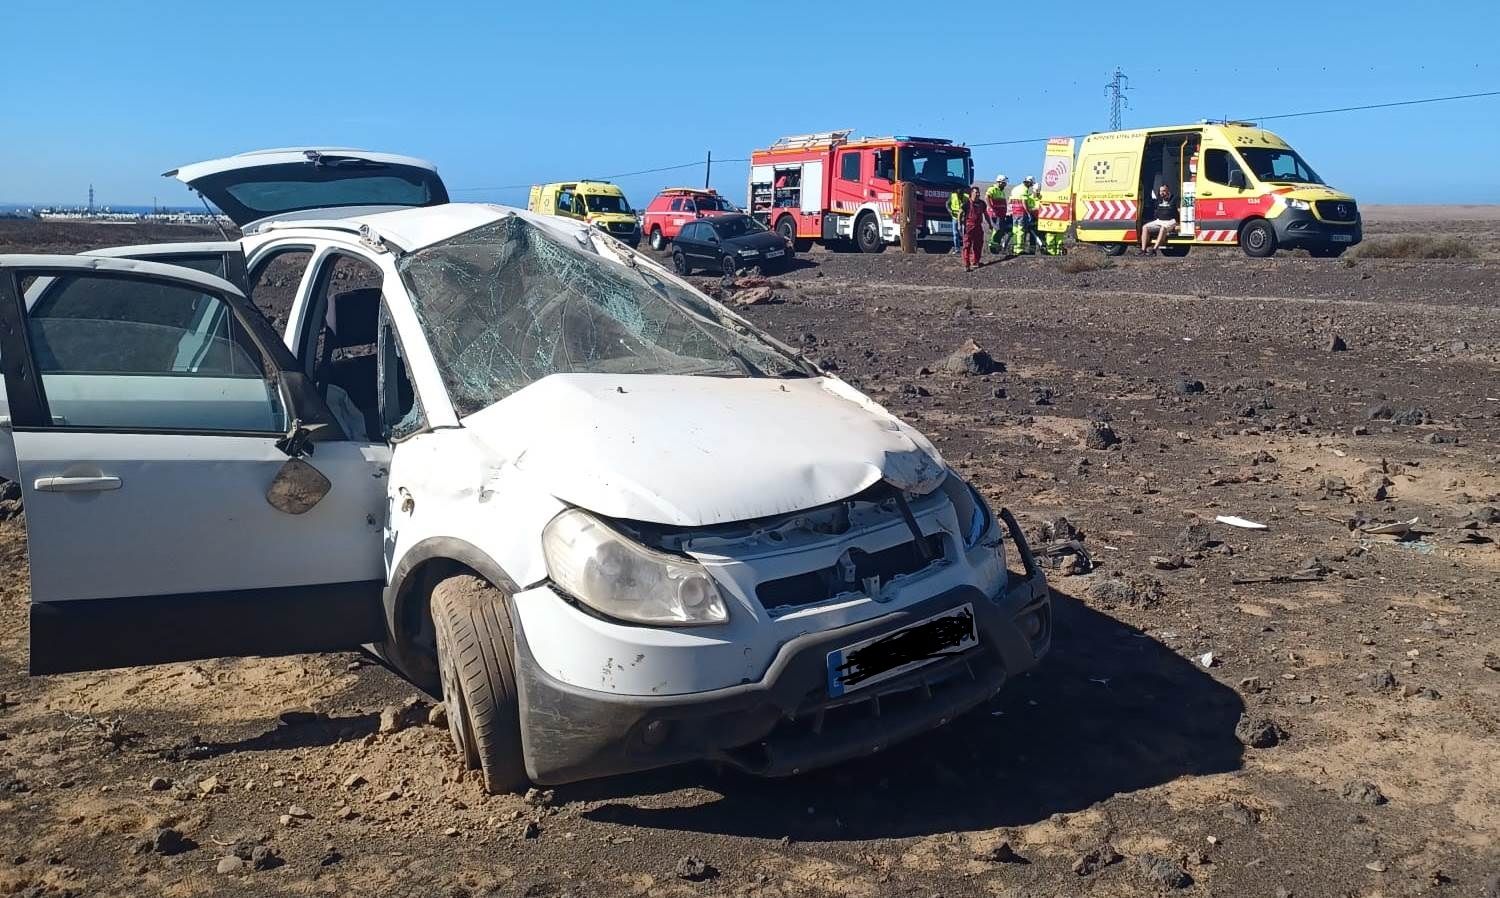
x: 267, y: 184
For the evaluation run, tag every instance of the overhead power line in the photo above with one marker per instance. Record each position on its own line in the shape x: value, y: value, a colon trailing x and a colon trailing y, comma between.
x: 1026, y: 140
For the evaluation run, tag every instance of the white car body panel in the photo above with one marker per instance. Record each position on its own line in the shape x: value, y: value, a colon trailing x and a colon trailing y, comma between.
x: 190, y: 515
x: 603, y: 442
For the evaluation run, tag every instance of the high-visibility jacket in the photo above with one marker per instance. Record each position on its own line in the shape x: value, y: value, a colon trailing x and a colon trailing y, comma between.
x: 956, y: 204
x: 1019, y: 196
x: 1033, y: 199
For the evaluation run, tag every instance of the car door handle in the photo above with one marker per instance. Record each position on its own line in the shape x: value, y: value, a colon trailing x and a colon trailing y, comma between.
x: 63, y: 484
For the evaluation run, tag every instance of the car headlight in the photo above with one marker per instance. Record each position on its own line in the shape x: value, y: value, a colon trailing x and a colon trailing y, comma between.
x: 1301, y: 205
x: 618, y: 577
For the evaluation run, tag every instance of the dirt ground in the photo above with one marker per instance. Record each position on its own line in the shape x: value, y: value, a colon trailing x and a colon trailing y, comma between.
x: 1309, y: 709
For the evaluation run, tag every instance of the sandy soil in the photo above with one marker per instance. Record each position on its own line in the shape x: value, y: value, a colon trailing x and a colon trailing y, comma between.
x: 1374, y: 660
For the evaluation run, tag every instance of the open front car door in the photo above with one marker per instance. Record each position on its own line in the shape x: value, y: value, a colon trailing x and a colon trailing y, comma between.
x: 187, y: 494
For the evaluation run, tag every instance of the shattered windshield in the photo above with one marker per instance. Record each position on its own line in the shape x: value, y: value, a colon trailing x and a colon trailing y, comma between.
x: 509, y: 303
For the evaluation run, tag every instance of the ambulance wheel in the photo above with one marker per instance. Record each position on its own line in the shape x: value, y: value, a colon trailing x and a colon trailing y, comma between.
x: 658, y: 242
x: 475, y: 641
x: 680, y: 263
x: 1258, y: 239
x: 1327, y: 252
x: 1174, y: 251
x: 1113, y: 249
x: 867, y: 234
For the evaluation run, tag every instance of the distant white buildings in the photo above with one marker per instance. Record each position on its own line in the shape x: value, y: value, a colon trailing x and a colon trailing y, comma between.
x: 105, y: 214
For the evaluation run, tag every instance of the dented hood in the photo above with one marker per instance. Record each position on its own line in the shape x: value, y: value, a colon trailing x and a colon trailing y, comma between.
x: 697, y: 451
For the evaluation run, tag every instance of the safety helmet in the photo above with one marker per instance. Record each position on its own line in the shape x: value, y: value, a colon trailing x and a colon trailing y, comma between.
x: 1029, y: 180
x: 1000, y: 179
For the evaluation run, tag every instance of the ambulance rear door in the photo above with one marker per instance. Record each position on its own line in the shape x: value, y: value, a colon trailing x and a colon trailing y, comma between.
x: 1056, y: 210
x: 1107, y: 201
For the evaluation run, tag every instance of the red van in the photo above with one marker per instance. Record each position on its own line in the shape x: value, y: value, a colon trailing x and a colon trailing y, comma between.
x: 675, y: 207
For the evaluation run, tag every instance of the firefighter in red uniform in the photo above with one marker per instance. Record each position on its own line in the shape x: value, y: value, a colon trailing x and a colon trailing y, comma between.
x: 974, y: 219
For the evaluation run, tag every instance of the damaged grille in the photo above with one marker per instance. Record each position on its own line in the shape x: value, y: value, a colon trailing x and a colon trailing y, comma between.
x: 850, y: 573
x: 621, y: 227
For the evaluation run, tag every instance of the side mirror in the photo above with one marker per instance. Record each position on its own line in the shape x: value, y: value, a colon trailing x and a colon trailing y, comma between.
x: 1237, y: 179
x: 297, y: 487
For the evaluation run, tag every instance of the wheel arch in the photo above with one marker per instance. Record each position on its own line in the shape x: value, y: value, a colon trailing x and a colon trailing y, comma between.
x: 406, y: 596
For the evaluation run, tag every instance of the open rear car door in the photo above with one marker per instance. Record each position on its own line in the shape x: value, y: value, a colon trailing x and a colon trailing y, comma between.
x: 292, y: 183
x: 187, y: 494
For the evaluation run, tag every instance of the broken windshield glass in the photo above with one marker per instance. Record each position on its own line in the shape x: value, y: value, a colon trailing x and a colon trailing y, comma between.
x: 509, y: 303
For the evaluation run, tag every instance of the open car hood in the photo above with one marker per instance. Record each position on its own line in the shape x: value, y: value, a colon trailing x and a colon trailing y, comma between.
x: 266, y: 184
x: 698, y: 451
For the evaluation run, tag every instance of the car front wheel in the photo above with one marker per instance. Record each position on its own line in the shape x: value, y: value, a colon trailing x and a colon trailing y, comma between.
x: 475, y: 642
x: 680, y: 262
x: 730, y: 266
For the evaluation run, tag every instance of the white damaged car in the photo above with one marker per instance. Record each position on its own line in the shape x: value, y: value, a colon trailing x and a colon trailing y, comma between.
x: 615, y: 524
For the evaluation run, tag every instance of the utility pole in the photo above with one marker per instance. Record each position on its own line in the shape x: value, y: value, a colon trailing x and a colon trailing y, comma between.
x: 708, y: 169
x: 1115, y: 90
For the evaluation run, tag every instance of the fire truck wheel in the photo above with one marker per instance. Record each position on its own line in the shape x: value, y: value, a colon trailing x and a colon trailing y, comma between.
x: 1113, y: 249
x: 1258, y: 239
x: 680, y: 263
x: 867, y: 234
x: 658, y: 242
x: 787, y: 228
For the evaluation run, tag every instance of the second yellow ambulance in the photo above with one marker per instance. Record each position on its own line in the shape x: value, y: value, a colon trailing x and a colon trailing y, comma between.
x: 1234, y: 183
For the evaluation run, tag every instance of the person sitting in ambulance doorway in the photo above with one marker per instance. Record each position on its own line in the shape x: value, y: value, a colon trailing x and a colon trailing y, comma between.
x: 1163, y: 225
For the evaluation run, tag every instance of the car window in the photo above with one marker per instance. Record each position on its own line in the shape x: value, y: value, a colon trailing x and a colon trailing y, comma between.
x: 1217, y: 165
x: 141, y: 354
x: 677, y: 205
x: 565, y: 201
x: 849, y: 166
x: 738, y: 226
x: 692, y: 232
x: 274, y: 282
x: 339, y: 342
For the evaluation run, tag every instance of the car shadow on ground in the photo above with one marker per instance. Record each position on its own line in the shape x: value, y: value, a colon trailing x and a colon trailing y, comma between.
x: 1111, y: 710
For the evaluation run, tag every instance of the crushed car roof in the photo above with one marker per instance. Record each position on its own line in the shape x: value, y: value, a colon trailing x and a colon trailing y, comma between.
x: 414, y: 229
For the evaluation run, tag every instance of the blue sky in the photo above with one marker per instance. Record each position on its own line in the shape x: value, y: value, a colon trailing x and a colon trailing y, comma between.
x: 500, y: 94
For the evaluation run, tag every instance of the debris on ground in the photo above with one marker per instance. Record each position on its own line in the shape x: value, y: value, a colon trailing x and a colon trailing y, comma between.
x: 1242, y: 523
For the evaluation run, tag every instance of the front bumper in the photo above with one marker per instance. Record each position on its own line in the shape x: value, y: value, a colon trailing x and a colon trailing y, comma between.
x: 1299, y: 229
x: 785, y: 723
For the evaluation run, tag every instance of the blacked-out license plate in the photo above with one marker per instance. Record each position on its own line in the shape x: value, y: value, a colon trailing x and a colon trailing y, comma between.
x: 893, y: 654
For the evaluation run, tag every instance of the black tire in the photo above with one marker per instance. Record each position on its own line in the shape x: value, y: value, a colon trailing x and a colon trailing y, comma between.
x: 1113, y: 249
x: 786, y: 226
x: 658, y: 242
x: 1327, y: 252
x: 1258, y: 239
x: 867, y: 234
x: 680, y: 263
x: 1175, y: 251
x: 475, y: 643
x: 729, y: 266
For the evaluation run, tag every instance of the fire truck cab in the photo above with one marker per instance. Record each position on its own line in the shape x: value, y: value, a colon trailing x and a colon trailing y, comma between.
x: 831, y: 188
x: 1234, y: 183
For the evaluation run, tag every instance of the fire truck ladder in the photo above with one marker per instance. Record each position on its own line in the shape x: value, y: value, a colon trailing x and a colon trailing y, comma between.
x: 806, y: 141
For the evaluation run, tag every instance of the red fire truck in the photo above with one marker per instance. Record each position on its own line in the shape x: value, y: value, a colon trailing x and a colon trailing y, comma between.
x: 830, y: 187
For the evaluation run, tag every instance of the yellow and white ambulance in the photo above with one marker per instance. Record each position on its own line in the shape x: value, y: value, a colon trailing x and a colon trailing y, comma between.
x: 1234, y: 183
